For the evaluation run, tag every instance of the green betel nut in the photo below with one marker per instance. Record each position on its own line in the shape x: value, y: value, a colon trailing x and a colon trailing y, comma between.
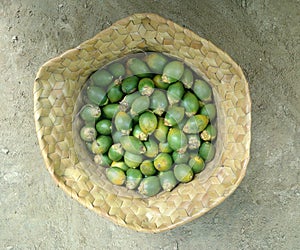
x: 164, y: 147
x: 102, y: 160
x: 130, y: 84
x: 150, y: 186
x: 104, y: 127
x: 90, y: 113
x: 88, y: 133
x: 175, y: 92
x: 139, y: 105
x: 117, y: 69
x: 174, y: 115
x: 101, y: 144
x: 183, y: 173
x: 119, y: 164
x: 123, y: 122
x: 138, y: 133
x: 167, y: 180
x: 96, y: 95
x: 110, y: 110
x: 116, y: 175
x: 209, y: 134
x: 202, y: 90
x: 115, y: 94
x: 207, y: 151
x: 190, y: 103
x: 195, y: 124
x: 146, y: 86
x: 163, y: 162
x: 133, y: 178
x: 156, y: 62
x: 158, y: 102
x: 197, y: 164
x: 127, y: 101
x: 116, y: 152
x: 177, y: 139
x: 138, y: 67
x: 180, y: 158
x: 148, y: 122
x: 161, y: 131
x: 147, y: 168
x: 132, y: 144
x: 132, y: 160
x: 187, y: 78
x: 151, y: 148
x: 116, y: 135
x: 159, y: 83
x: 102, y: 78
x: 173, y: 71
x: 209, y: 110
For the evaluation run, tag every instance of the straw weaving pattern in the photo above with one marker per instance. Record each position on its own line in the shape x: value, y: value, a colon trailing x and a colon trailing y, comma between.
x: 58, y: 84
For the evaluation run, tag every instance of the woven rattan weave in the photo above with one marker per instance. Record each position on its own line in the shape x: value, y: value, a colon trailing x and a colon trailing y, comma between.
x: 56, y: 89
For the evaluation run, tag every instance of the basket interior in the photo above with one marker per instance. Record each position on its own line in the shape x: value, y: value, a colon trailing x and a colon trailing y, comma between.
x: 88, y: 165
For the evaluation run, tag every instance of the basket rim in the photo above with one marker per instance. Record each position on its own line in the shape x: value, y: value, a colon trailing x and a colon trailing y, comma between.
x: 41, y: 128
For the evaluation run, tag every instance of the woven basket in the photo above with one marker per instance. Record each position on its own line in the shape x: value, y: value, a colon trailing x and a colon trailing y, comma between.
x: 56, y: 89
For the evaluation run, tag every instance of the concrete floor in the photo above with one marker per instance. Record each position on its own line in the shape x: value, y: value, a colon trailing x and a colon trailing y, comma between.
x: 261, y: 36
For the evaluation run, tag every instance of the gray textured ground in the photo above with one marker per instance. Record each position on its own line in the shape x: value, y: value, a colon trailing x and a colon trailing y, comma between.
x: 261, y: 36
